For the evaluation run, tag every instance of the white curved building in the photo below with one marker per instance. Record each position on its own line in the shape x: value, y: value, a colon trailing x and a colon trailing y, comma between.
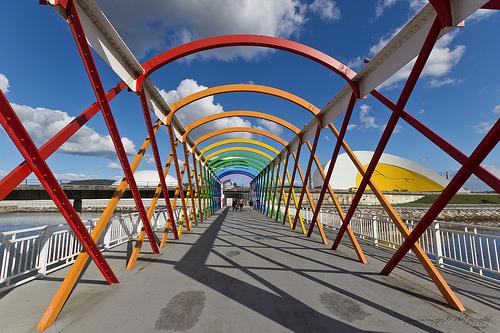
x: 149, y: 178
x: 392, y: 173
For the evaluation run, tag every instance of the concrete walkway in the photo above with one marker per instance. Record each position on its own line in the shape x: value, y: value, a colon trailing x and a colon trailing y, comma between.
x: 243, y: 272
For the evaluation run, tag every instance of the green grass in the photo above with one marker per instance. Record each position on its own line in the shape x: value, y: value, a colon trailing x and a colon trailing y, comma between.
x: 459, y: 199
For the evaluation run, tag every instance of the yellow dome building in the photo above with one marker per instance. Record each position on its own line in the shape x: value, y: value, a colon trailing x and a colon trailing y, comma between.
x: 392, y: 173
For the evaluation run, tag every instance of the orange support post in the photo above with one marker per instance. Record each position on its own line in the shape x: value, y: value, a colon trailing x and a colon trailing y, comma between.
x: 178, y: 174
x: 190, y: 182
x: 292, y: 180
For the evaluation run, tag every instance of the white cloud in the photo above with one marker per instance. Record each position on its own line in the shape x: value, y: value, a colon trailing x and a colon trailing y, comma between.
x: 73, y: 176
x: 355, y: 63
x: 421, y: 111
x: 483, y: 127
x: 435, y: 83
x: 2, y: 172
x: 230, y: 158
x: 326, y: 9
x: 153, y: 26
x: 42, y: 124
x: 327, y: 138
x: 416, y: 5
x: 202, y: 108
x: 397, y: 129
x: 440, y: 63
x: 148, y: 158
x: 351, y: 127
x: 114, y: 165
x: 382, y: 5
x: 4, y: 83
x: 495, y: 170
x: 480, y: 14
x: 270, y: 126
x: 366, y: 120
x: 496, y: 110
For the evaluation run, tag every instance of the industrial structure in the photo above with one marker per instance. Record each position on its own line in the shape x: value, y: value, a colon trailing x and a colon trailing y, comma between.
x: 268, y: 166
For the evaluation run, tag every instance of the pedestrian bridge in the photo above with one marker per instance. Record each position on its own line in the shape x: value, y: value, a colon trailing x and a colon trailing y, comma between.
x: 245, y: 272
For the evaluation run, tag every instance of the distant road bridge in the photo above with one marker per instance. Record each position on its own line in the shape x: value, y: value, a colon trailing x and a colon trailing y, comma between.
x: 37, y: 192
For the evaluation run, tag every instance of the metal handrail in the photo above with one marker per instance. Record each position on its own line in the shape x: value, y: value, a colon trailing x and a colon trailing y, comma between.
x: 468, y: 247
x: 27, y: 254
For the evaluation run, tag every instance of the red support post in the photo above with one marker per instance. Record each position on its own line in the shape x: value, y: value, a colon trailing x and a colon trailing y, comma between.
x: 391, y: 124
x: 306, y: 177
x: 37, y: 164
x: 492, y: 4
x: 487, y: 177
x: 19, y: 173
x: 157, y: 158
x: 79, y: 35
x: 480, y: 153
x: 443, y: 11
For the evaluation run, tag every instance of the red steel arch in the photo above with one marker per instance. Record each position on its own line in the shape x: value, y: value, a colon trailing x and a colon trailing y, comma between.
x: 247, y: 40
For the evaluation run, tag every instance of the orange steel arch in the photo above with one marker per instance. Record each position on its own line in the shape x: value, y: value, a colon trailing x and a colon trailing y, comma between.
x: 243, y: 87
x: 239, y: 113
x: 253, y: 130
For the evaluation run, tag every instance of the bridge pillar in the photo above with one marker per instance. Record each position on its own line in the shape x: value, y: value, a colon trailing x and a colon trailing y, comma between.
x: 77, y: 205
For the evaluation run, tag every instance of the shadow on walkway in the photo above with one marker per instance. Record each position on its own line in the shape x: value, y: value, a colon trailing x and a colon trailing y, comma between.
x: 277, y: 305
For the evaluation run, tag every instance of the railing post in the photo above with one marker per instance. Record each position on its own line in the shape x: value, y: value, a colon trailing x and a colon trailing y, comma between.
x: 375, y: 230
x: 438, y: 248
x: 43, y: 257
x: 481, y: 250
x: 107, y: 238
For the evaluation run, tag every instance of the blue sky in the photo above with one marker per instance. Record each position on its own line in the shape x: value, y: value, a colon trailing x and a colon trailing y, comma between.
x: 458, y: 97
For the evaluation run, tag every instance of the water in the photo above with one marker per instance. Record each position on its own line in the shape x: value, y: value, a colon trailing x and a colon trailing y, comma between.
x: 16, y: 221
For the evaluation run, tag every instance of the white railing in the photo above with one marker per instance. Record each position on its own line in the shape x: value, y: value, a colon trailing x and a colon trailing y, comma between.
x: 28, y: 253
x: 474, y: 248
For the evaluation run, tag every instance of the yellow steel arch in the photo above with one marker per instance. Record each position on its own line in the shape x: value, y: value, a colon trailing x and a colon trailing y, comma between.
x: 239, y: 113
x: 238, y: 130
x: 228, y: 149
x: 237, y: 140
